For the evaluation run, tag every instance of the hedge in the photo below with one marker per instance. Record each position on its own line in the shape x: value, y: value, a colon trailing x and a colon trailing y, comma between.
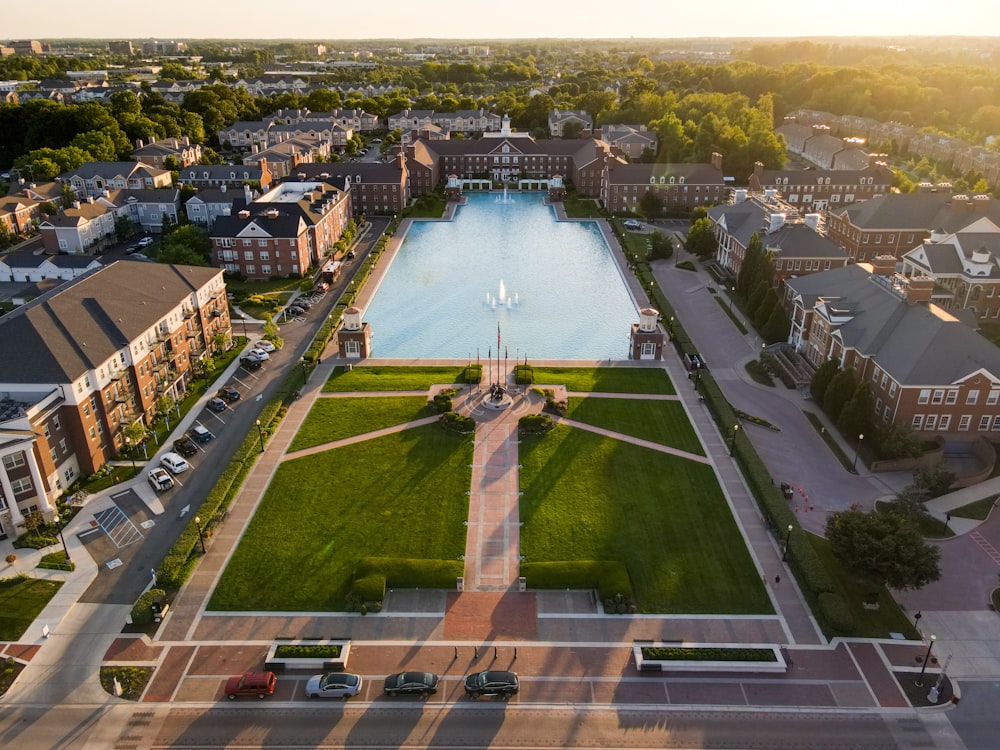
x: 455, y: 422
x: 369, y: 589
x: 535, y: 424
x: 609, y: 577
x: 837, y: 613
x: 686, y: 653
x: 411, y: 573
x: 292, y: 651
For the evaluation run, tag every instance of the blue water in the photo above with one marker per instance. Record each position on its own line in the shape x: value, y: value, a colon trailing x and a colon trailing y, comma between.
x: 441, y: 298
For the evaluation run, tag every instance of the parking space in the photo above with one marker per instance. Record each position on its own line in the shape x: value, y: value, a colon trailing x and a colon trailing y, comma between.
x: 117, y: 525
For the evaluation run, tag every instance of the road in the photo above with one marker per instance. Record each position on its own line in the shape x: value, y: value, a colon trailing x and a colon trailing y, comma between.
x: 459, y: 725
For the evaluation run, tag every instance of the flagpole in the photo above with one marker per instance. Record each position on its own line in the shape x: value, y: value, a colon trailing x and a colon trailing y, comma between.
x: 479, y: 369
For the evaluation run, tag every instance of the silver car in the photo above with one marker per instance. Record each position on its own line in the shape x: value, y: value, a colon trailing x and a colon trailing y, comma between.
x: 333, y: 685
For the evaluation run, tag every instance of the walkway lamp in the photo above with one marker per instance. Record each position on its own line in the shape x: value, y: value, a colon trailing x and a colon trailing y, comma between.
x: 201, y: 534
x: 927, y: 658
x: 784, y: 549
x: 732, y: 442
x: 857, y: 450
x: 260, y: 434
x: 60, y: 524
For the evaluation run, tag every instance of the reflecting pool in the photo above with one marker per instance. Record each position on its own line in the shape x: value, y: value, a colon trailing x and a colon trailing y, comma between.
x: 553, y: 287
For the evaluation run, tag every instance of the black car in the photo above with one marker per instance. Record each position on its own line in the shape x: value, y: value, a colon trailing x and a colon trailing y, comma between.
x: 185, y: 446
x: 492, y: 682
x: 216, y: 404
x: 230, y: 394
x: 411, y: 683
x: 250, y: 363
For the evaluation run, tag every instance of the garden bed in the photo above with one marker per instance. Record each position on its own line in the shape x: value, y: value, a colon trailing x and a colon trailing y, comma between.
x: 708, y: 657
x: 323, y: 655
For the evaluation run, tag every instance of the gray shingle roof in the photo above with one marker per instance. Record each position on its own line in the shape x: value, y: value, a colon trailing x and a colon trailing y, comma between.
x: 916, y: 211
x: 76, y: 327
x: 917, y: 344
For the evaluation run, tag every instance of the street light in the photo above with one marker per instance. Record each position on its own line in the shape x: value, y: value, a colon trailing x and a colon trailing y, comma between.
x: 201, y: 534
x: 732, y: 442
x: 243, y: 320
x: 857, y: 450
x: 260, y: 434
x: 732, y: 291
x: 916, y: 620
x: 784, y: 549
x: 927, y: 658
x: 302, y: 364
x: 131, y: 453
x: 62, y: 538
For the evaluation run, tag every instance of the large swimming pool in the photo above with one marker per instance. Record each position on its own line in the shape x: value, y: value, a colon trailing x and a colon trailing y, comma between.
x: 553, y: 287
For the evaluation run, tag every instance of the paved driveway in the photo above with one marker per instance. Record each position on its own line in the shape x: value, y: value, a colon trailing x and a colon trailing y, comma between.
x: 796, y: 454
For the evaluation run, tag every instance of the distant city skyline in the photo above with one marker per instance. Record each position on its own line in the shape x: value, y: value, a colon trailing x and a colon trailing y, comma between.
x: 509, y: 19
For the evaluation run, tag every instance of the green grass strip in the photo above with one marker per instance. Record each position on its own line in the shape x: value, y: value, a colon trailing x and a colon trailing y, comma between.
x: 403, y: 495
x: 333, y: 419
x: 663, y: 422
x: 21, y: 601
x: 391, y: 378
x: 607, y: 379
x: 586, y: 497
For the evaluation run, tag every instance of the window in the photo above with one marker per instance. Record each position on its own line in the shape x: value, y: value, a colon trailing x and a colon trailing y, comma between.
x: 945, y: 422
x: 892, y: 388
x: 55, y: 422
x: 952, y: 396
x: 971, y: 398
x: 63, y: 448
x: 265, y: 270
x: 248, y: 255
x: 984, y: 422
x: 918, y: 422
x: 993, y: 397
x: 938, y: 396
x: 996, y: 423
x: 965, y: 422
x: 251, y: 269
x: 93, y: 433
x: 931, y: 422
x: 885, y: 381
x: 13, y: 460
x: 21, y: 485
x: 875, y: 374
x: 925, y: 396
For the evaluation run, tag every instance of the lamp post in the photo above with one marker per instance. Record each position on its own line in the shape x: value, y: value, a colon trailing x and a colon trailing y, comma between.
x: 260, y: 434
x: 131, y: 453
x: 305, y: 375
x: 927, y: 658
x: 243, y: 320
x: 732, y: 441
x: 916, y: 620
x: 857, y: 450
x: 201, y: 534
x: 650, y: 291
x: 732, y: 291
x: 59, y: 523
x: 784, y: 549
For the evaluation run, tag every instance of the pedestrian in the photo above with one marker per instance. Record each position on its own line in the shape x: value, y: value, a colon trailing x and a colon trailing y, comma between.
x: 777, y: 579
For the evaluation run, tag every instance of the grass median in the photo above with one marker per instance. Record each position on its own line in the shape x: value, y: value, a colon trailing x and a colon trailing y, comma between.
x: 391, y: 378
x: 607, y: 379
x: 21, y: 601
x: 333, y: 419
x: 400, y: 496
x: 663, y: 422
x: 587, y: 497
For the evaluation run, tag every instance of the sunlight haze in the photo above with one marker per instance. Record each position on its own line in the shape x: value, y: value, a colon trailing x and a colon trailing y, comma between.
x: 393, y: 19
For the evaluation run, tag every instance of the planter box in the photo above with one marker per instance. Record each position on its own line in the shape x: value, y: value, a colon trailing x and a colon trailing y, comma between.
x: 317, y: 663
x: 644, y: 664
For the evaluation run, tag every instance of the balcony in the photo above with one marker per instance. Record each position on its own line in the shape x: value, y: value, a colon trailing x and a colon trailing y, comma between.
x: 163, y: 335
x: 190, y: 313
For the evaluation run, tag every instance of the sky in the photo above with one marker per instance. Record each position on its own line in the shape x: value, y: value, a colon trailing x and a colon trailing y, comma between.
x: 501, y: 19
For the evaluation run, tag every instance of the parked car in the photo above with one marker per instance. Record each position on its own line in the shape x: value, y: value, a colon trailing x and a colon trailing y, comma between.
x: 265, y: 346
x: 131, y: 249
x: 351, y: 255
x: 333, y: 685
x: 185, y: 446
x: 303, y: 303
x: 174, y: 463
x: 260, y: 684
x: 296, y: 310
x: 632, y: 224
x: 228, y: 393
x: 249, y: 363
x: 217, y: 404
x: 145, y: 242
x: 411, y: 683
x: 492, y: 682
x: 259, y: 354
x: 200, y: 434
x: 160, y: 479
x: 321, y: 287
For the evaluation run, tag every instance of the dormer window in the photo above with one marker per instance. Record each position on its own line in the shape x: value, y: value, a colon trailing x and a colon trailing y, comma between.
x: 671, y: 179
x: 652, y: 180
x: 681, y: 180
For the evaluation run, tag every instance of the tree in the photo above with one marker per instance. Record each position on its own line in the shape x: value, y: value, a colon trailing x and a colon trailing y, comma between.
x: 821, y: 379
x: 756, y: 299
x: 856, y: 418
x: 839, y: 392
x: 650, y: 204
x: 882, y: 548
x: 271, y: 332
x: 763, y: 313
x: 750, y: 270
x: 660, y: 245
x: 165, y: 406
x: 124, y: 228
x: 777, y: 327
x: 135, y: 434
x: 219, y: 342
x: 701, y: 239
x: 936, y: 480
x: 897, y: 441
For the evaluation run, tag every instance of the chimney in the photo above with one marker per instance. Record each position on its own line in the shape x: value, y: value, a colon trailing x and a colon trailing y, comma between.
x: 821, y: 129
x: 90, y: 199
x: 187, y: 141
x: 883, y: 265
x: 775, y: 222
x: 919, y: 289
x: 925, y: 187
x: 812, y: 221
x: 981, y: 202
x: 222, y: 187
x: 717, y: 160
x: 76, y: 204
x: 758, y: 169
x: 961, y: 202
x: 139, y: 143
x: 740, y: 195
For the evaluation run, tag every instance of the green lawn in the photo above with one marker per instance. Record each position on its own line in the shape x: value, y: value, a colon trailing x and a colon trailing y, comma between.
x: 402, y: 495
x: 337, y: 418
x: 979, y: 510
x: 663, y: 422
x: 606, y: 379
x: 21, y: 600
x: 582, y: 208
x: 390, y: 378
x: 872, y: 623
x: 586, y: 497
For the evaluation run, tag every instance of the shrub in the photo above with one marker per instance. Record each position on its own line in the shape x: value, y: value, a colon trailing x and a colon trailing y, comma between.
x: 368, y: 591
x: 524, y: 374
x: 132, y: 680
x: 473, y: 374
x: 294, y: 651
x: 142, y: 612
x: 609, y: 577
x: 455, y: 422
x: 687, y: 653
x: 535, y: 424
x: 442, y: 400
x: 836, y: 612
x: 411, y: 573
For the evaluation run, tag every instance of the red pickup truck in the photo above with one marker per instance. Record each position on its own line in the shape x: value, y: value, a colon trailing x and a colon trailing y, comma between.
x: 260, y: 684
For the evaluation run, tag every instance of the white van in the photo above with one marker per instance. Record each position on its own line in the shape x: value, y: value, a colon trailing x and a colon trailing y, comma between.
x: 174, y: 463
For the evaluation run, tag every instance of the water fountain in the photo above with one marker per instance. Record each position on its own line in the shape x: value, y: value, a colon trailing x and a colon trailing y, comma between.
x: 502, y: 298
x: 505, y: 198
